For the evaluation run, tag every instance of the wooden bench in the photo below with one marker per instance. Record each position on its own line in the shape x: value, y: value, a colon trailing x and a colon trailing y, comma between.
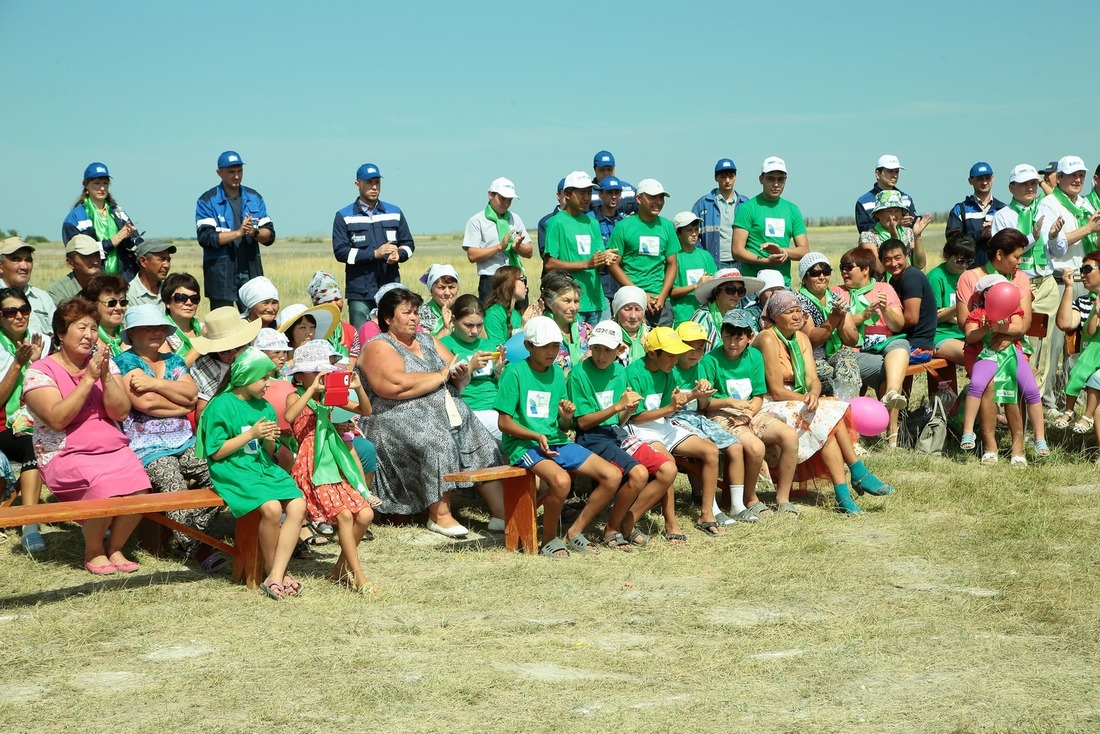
x: 247, y: 560
x: 520, y: 502
x: 931, y: 368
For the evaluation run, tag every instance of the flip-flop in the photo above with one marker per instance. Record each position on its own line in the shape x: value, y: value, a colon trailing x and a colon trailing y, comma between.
x: 552, y: 548
x: 292, y: 586
x: 275, y: 591
x: 580, y: 544
x: 709, y: 527
x: 787, y: 507
x: 724, y: 520
x: 676, y: 538
x: 616, y: 541
x: 756, y: 510
x: 638, y: 538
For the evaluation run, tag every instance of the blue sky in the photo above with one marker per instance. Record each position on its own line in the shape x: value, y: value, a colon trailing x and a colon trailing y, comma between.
x: 446, y: 96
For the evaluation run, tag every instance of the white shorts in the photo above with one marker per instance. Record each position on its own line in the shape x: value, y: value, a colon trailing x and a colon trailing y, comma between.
x: 668, y: 433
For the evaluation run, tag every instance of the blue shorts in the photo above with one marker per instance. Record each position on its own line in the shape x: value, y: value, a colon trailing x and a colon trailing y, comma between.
x: 603, y: 442
x: 570, y: 456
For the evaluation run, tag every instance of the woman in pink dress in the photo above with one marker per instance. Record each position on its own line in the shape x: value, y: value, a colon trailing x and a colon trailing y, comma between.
x: 77, y: 399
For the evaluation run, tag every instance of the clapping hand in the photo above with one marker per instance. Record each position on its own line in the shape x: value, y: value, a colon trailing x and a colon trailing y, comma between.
x: 265, y: 430
x: 29, y: 350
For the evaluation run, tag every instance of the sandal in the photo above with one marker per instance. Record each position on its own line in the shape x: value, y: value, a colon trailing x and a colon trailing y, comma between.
x: 894, y: 400
x: 676, y: 538
x: 214, y: 562
x: 275, y: 591
x: 989, y: 458
x: 754, y: 511
x: 724, y: 520
x: 373, y: 501
x: 292, y: 586
x: 302, y: 551
x: 322, y: 528
x: 616, y: 541
x: 1083, y: 425
x: 709, y: 527
x: 1063, y: 421
x: 1020, y: 461
x: 580, y: 544
x: 1041, y: 448
x: 552, y: 549
x: 787, y: 507
x: 968, y: 441
x: 638, y: 538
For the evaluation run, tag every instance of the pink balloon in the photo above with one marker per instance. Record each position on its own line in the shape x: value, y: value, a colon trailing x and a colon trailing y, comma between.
x: 1001, y: 301
x: 870, y: 416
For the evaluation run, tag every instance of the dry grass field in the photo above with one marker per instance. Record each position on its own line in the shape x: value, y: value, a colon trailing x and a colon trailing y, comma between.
x: 965, y: 603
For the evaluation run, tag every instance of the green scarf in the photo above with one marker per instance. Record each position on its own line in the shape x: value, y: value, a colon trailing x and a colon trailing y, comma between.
x: 885, y: 234
x: 504, y: 228
x: 1004, y: 379
x: 635, y: 346
x: 105, y: 228
x: 113, y: 342
x: 857, y: 304
x: 798, y: 364
x: 17, y: 390
x: 1081, y: 215
x: 573, y: 345
x: 1034, y: 259
x: 335, y: 340
x: 833, y: 344
x: 438, y: 311
x: 1094, y: 199
x: 249, y: 366
x: 332, y: 461
x: 185, y: 341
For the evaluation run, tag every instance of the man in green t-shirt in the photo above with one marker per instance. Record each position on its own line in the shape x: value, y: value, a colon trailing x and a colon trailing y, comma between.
x: 694, y: 265
x: 765, y: 226
x: 533, y: 417
x: 648, y: 246
x: 574, y: 244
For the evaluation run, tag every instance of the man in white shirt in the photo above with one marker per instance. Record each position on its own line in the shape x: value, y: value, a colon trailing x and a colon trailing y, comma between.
x: 496, y: 236
x: 16, y: 266
x: 1022, y: 213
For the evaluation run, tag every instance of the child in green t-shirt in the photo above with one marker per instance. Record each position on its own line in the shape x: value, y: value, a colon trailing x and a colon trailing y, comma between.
x: 598, y: 389
x: 736, y: 371
x: 533, y: 417
x: 651, y: 377
x: 466, y: 343
x: 694, y: 266
x: 690, y: 378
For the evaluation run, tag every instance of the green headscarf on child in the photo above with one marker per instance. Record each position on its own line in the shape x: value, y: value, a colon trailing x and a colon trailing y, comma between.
x: 249, y: 366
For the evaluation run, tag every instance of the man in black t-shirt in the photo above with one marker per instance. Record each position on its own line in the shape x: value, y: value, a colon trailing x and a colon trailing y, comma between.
x: 918, y: 303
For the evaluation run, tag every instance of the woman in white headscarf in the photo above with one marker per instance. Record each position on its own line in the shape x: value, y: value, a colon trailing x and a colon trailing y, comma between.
x: 260, y: 300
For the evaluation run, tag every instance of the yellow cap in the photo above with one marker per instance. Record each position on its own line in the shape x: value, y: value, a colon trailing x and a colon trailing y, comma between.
x: 664, y: 339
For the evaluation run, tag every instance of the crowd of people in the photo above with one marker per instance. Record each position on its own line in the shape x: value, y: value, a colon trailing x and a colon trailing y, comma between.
x: 718, y: 336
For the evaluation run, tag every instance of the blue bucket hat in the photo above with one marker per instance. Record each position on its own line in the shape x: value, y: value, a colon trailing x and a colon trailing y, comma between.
x: 229, y: 158
x: 96, y: 170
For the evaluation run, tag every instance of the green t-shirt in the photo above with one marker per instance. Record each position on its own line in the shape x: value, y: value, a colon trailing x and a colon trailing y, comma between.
x: 690, y: 266
x: 766, y: 221
x: 497, y: 329
x: 943, y: 284
x: 740, y: 379
x: 576, y: 239
x: 480, y: 393
x: 644, y: 247
x: 655, y: 388
x: 685, y: 379
x: 592, y: 389
x: 531, y: 398
x: 249, y: 476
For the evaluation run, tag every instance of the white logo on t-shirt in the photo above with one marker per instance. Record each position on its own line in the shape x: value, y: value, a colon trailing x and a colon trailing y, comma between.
x: 694, y: 275
x: 605, y: 398
x: 951, y: 298
x: 253, y: 446
x: 584, y: 244
x: 653, y: 401
x: 485, y: 371
x: 649, y: 245
x: 538, y: 404
x: 739, y: 389
x: 775, y: 227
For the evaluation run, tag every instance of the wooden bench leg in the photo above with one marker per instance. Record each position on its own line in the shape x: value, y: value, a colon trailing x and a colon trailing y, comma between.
x: 248, y: 561
x: 520, y: 525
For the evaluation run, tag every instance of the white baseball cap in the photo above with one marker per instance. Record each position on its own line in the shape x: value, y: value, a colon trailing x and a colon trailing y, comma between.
x: 889, y: 161
x: 683, y: 219
x: 607, y: 334
x: 504, y: 187
x: 1023, y: 172
x: 773, y: 163
x: 579, y: 180
x: 650, y: 187
x: 541, y: 330
x: 771, y: 279
x: 1071, y: 164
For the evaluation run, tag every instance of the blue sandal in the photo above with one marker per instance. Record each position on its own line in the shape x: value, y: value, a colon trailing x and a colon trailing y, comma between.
x: 968, y: 441
x: 1041, y: 449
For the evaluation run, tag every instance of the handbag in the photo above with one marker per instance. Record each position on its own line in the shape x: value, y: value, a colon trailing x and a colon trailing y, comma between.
x: 925, y: 429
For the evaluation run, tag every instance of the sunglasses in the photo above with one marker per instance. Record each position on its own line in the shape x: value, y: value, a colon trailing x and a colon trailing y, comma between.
x: 184, y: 298
x: 10, y: 311
x: 732, y: 290
x: 818, y: 272
x: 116, y: 302
x: 847, y: 266
x: 1085, y: 270
x: 963, y: 262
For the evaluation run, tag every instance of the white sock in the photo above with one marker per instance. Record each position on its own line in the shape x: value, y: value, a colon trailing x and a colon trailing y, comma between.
x: 737, y: 501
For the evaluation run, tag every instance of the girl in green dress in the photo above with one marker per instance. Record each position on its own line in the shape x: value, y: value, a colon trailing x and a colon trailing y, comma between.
x: 236, y: 436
